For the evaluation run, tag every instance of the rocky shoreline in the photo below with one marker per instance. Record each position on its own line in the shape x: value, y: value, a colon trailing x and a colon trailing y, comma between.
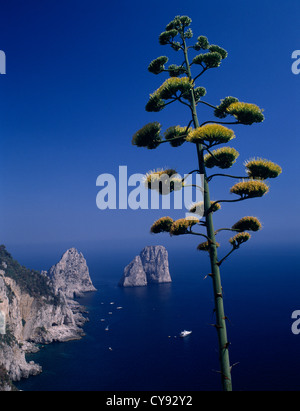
x: 39, y: 308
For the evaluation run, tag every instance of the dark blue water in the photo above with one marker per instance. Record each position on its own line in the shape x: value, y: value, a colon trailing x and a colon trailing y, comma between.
x: 261, y: 290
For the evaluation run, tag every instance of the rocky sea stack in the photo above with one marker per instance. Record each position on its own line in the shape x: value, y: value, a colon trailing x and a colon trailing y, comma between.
x: 71, y: 275
x: 150, y: 267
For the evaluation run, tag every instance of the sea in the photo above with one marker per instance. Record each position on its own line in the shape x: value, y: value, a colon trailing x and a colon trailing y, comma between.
x: 142, y: 349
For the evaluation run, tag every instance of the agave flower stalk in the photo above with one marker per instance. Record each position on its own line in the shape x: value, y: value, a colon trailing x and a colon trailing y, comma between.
x: 215, y: 270
x: 204, y: 136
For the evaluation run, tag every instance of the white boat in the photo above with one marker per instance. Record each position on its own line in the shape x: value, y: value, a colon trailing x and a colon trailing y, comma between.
x: 185, y: 333
x: 107, y: 328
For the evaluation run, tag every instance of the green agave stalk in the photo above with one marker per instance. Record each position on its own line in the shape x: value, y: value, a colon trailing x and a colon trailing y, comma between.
x: 204, y: 136
x: 215, y: 271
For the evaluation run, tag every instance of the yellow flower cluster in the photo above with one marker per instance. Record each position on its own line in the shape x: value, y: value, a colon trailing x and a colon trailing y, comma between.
x: 223, y: 157
x: 239, y: 239
x: 181, y: 226
x: 148, y: 136
x: 163, y: 181
x: 164, y: 224
x: 180, y: 130
x: 210, y: 133
x: 176, y: 132
x: 206, y: 246
x: 248, y: 224
x: 246, y: 113
x: 155, y: 175
x: 251, y: 188
x: 169, y: 90
x: 198, y: 208
x: 171, y: 86
x: 262, y: 168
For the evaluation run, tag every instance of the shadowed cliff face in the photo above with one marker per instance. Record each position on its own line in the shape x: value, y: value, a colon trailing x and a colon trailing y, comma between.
x: 151, y: 266
x: 34, y: 311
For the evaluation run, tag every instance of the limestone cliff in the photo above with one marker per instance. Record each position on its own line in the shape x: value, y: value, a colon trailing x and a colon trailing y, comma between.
x: 71, y: 275
x: 151, y: 266
x: 32, y: 312
x: 134, y: 274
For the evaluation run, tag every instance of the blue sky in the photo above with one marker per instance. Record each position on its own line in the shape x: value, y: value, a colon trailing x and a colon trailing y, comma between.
x: 74, y: 94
